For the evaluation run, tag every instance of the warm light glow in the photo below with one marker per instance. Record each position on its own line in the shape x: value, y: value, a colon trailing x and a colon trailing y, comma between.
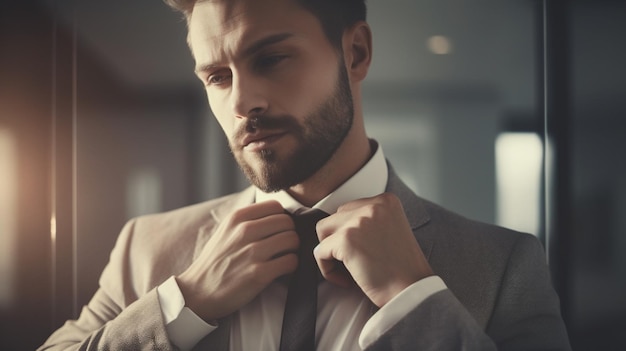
x: 53, y: 228
x: 518, y: 176
x: 8, y: 216
x: 439, y: 45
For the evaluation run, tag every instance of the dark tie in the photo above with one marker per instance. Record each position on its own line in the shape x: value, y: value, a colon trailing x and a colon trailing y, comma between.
x: 298, y: 332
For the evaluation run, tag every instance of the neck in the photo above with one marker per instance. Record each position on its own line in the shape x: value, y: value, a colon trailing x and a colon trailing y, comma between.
x: 350, y: 157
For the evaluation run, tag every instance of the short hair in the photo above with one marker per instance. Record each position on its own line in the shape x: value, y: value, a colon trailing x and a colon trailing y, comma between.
x: 335, y: 16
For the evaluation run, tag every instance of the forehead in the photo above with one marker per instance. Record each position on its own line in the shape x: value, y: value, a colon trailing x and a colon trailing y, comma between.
x: 222, y: 25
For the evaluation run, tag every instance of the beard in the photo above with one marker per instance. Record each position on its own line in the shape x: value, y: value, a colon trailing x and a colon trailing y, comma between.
x: 320, y: 135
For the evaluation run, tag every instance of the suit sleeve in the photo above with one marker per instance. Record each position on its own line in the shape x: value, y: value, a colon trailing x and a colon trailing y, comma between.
x: 526, y: 314
x: 116, y: 318
x: 439, y: 323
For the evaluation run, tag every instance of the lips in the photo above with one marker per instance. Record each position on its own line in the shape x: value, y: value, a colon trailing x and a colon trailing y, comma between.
x: 260, y: 140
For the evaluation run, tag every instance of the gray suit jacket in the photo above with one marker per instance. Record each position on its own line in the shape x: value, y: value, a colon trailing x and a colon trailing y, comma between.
x: 500, y: 294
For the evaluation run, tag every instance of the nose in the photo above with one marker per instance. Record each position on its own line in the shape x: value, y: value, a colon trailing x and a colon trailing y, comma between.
x: 248, y: 96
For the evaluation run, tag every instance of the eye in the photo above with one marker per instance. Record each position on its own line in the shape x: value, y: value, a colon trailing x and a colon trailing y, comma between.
x: 269, y: 61
x: 218, y: 78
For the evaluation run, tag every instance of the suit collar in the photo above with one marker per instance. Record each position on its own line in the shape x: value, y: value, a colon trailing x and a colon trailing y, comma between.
x: 219, y: 212
x: 414, y: 208
x: 239, y: 200
x: 413, y: 205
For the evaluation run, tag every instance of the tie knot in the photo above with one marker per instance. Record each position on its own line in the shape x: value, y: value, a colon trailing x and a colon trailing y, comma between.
x: 305, y: 222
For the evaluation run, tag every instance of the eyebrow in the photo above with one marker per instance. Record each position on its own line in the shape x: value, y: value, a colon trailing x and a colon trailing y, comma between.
x: 267, y: 41
x: 253, y: 48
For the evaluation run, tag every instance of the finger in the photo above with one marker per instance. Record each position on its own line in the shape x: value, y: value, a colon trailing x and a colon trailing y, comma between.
x: 256, y: 211
x: 329, y: 225
x: 354, y: 204
x: 277, y: 245
x: 282, y: 265
x: 334, y: 223
x: 384, y: 198
x: 330, y: 266
x: 337, y: 274
x: 265, y: 272
x: 258, y: 229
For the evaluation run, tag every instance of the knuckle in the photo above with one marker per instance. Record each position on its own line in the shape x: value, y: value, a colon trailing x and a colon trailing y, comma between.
x: 364, y: 221
x: 244, y: 228
x: 351, y: 237
x: 341, y: 207
x: 386, y: 197
x: 278, y: 207
x: 272, y: 206
x: 371, y: 210
x: 258, y: 273
x: 391, y: 200
x: 252, y: 251
x: 237, y: 215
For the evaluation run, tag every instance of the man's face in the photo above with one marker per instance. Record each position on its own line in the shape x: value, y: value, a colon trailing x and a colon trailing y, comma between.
x: 275, y: 83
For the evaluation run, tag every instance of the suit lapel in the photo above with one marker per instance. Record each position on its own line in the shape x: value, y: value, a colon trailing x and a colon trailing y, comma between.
x: 414, y: 209
x: 239, y: 200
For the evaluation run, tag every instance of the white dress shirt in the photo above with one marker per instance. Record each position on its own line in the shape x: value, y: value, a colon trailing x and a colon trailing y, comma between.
x: 345, y: 317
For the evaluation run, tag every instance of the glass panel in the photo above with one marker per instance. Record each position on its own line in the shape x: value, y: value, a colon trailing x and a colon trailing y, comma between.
x: 597, y: 131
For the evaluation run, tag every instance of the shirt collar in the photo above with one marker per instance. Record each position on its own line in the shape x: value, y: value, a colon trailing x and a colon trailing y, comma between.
x: 369, y: 181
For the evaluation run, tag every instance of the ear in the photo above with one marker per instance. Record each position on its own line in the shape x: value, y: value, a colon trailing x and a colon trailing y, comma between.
x: 357, y: 50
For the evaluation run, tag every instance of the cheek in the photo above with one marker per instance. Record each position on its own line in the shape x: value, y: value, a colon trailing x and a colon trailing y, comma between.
x: 321, y: 78
x: 225, y: 121
x: 301, y: 93
x: 227, y: 127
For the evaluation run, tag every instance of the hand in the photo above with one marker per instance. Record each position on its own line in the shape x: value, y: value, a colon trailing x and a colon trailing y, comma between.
x: 375, y: 243
x: 249, y: 249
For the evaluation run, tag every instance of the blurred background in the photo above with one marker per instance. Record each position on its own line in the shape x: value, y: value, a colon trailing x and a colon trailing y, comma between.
x: 509, y: 112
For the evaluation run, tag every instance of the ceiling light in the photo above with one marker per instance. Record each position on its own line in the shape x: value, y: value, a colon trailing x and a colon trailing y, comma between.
x: 439, y: 45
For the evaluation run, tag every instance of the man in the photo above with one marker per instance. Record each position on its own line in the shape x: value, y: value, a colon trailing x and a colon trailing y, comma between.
x: 283, y: 79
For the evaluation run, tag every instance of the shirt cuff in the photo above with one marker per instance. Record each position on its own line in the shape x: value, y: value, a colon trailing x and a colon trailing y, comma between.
x: 398, y: 307
x: 184, y: 328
